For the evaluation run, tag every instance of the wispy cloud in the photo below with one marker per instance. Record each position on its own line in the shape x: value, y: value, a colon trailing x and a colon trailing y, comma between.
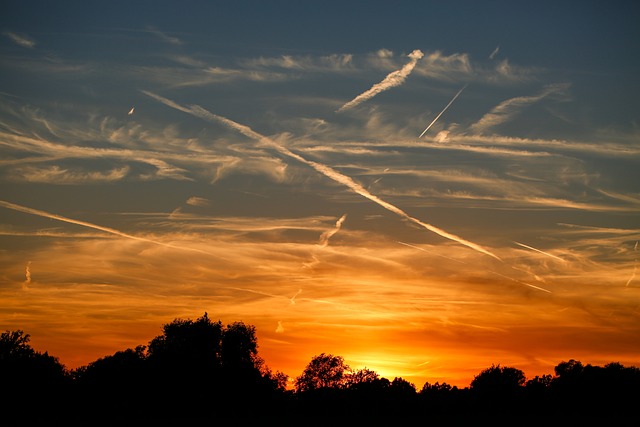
x: 439, y: 66
x: 324, y: 170
x: 198, y: 201
x: 66, y: 176
x: 506, y: 110
x: 165, y: 37
x: 396, y: 78
x: 21, y: 40
x: 334, y: 62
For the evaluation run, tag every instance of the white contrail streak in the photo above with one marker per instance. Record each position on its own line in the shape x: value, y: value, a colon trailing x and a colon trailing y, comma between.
x: 396, y: 78
x: 44, y: 214
x: 430, y: 252
x: 443, y: 110
x: 521, y: 282
x: 27, y: 274
x: 293, y: 298
x: 323, y: 169
x: 324, y: 238
x: 539, y: 251
x: 462, y: 262
x: 633, y: 275
x: 635, y: 267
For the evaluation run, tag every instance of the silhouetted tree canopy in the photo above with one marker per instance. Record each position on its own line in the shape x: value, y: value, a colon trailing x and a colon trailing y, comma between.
x: 28, y: 376
x: 324, y: 371
x: 498, y: 380
x: 205, y: 370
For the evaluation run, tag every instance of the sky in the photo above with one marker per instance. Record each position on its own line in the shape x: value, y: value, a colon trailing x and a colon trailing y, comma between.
x: 425, y: 189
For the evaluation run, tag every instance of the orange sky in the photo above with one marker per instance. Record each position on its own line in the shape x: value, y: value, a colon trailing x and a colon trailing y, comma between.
x: 425, y: 190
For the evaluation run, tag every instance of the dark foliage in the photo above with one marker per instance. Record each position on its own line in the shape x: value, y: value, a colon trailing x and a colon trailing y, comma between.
x: 200, y: 370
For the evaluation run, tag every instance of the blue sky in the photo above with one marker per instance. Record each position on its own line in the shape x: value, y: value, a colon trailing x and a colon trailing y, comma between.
x: 455, y: 184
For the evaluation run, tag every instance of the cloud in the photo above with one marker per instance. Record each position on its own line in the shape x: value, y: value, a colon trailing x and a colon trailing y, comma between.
x: 326, y: 171
x: 198, y: 201
x: 280, y: 328
x: 334, y: 62
x: 167, y: 38
x: 396, y: 78
x: 445, y: 67
x: 494, y: 53
x: 506, y: 110
x: 67, y: 176
x: 23, y: 41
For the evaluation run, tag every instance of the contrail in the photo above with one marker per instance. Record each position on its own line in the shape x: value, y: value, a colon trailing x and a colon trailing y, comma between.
x: 443, y: 110
x: 539, y: 251
x: 495, y: 52
x: 430, y: 252
x: 324, y: 238
x: 44, y: 214
x: 396, y: 78
x: 27, y: 273
x: 490, y: 271
x: 509, y: 108
x: 323, y: 169
x: 293, y: 298
x: 635, y: 268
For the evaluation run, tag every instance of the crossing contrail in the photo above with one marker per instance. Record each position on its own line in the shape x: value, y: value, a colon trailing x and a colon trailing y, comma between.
x: 443, y: 110
x: 490, y: 271
x: 321, y: 168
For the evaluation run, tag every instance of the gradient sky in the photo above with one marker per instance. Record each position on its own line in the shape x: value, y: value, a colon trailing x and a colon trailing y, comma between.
x: 424, y: 189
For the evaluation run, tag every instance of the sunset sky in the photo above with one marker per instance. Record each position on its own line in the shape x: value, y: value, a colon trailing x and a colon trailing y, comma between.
x: 425, y: 189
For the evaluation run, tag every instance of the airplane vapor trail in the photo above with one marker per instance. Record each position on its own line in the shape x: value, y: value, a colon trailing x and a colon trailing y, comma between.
x: 324, y: 238
x: 27, y: 273
x: 44, y: 214
x: 635, y: 267
x: 539, y: 251
x: 443, y: 110
x: 395, y: 78
x: 323, y: 169
x: 490, y: 271
x: 430, y: 252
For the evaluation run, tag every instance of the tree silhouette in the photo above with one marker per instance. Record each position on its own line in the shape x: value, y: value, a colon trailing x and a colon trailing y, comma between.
x: 498, y: 381
x: 498, y: 390
x: 28, y: 376
x: 324, y: 371
x: 200, y: 369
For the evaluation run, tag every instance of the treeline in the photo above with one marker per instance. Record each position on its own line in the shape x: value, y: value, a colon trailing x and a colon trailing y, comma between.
x: 203, y: 370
